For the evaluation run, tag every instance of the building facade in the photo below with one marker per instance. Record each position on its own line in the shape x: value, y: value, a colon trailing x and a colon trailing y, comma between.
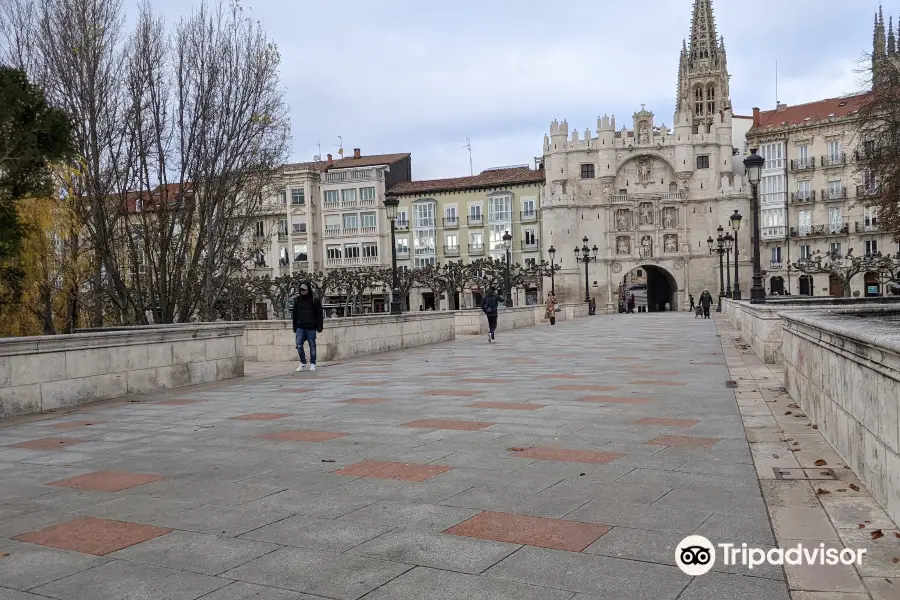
x: 649, y: 196
x: 465, y: 218
x: 813, y: 190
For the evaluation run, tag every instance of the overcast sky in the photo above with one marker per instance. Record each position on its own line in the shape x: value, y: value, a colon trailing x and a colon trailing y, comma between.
x: 421, y: 76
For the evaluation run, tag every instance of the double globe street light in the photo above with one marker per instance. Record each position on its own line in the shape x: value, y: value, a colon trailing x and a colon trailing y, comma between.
x: 586, y: 255
x: 390, y: 207
x: 754, y: 165
x: 507, y: 243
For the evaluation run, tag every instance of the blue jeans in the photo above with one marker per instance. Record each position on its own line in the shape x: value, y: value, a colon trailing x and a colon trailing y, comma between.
x: 306, y: 335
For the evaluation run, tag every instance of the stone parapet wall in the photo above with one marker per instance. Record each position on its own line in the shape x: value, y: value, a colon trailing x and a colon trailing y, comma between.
x: 843, y: 367
x: 44, y: 373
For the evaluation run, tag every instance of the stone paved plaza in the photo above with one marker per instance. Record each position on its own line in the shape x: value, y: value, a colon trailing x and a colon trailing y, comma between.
x: 561, y: 463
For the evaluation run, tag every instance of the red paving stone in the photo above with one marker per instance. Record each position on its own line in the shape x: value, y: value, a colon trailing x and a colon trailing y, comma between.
x: 666, y: 422
x: 48, y: 443
x: 651, y: 382
x: 648, y: 371
x: 571, y: 387
x: 486, y: 381
x: 261, y: 417
x: 507, y: 405
x: 303, y: 435
x: 447, y: 424
x: 615, y: 399
x: 684, y: 441
x: 106, y: 481
x: 178, y: 402
x: 708, y: 364
x: 364, y: 401
x: 93, y: 536
x: 564, y: 455
x: 540, y: 532
x: 393, y: 470
x: 74, y: 425
x: 464, y: 393
x: 369, y: 383
x: 444, y: 374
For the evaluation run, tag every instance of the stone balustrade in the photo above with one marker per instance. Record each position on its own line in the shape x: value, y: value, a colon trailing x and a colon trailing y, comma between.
x: 843, y: 367
x: 44, y: 373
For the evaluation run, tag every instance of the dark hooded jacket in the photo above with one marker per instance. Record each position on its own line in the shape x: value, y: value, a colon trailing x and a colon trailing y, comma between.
x: 308, y: 313
x: 489, y: 305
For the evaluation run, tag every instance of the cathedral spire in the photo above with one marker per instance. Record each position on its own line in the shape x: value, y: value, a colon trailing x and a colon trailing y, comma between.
x: 891, y: 40
x: 703, y: 33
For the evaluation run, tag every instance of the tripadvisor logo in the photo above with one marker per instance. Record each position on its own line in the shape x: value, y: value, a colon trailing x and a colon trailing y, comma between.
x: 695, y: 555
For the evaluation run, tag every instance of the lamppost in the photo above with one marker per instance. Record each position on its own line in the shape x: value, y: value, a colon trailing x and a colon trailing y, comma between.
x: 736, y: 226
x: 754, y: 164
x: 729, y: 243
x: 507, y: 243
x: 718, y: 248
x: 390, y: 207
x: 552, y: 252
x: 586, y: 255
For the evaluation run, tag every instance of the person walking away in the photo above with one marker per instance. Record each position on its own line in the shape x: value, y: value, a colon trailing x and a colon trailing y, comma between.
x: 550, y: 313
x: 308, y: 318
x: 489, y: 307
x: 691, y: 298
x: 631, y: 303
x: 705, y: 302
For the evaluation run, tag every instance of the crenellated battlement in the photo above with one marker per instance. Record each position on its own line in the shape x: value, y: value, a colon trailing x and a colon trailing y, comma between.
x: 559, y: 128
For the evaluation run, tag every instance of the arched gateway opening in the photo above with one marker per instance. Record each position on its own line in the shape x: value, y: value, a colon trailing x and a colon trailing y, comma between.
x: 654, y: 289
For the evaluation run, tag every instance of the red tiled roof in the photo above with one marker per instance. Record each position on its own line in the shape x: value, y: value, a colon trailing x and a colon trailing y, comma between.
x: 810, y: 112
x: 485, y: 179
x: 348, y: 163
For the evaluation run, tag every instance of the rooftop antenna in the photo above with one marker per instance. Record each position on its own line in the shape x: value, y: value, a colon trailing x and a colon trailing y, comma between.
x: 469, y: 147
x: 776, y: 85
x: 318, y: 155
x: 341, y: 146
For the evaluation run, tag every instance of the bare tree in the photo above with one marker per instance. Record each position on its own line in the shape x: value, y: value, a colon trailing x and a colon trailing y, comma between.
x: 845, y: 268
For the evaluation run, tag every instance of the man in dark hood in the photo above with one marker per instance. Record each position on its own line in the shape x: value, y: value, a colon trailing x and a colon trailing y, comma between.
x: 308, y: 318
x: 489, y: 307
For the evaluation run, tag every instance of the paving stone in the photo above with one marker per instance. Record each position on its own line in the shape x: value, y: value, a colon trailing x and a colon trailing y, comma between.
x: 320, y: 573
x: 136, y: 508
x: 659, y: 422
x: 303, y: 435
x: 421, y: 583
x: 221, y: 520
x: 107, y: 481
x: 91, y: 535
x: 224, y: 493
x: 364, y: 401
x: 261, y: 416
x: 406, y: 514
x: 590, y: 574
x: 48, y: 443
x: 67, y: 425
x: 684, y: 441
x: 565, y: 455
x: 637, y: 544
x: 507, y: 405
x: 755, y: 530
x: 575, y: 387
x: 638, y: 516
x: 393, y: 470
x: 532, y: 531
x: 329, y: 504
x: 30, y: 565
x: 118, y: 580
x: 447, y: 424
x: 822, y: 578
x: 239, y: 590
x: 882, y: 588
x: 802, y: 523
x: 721, y: 586
x: 315, y: 533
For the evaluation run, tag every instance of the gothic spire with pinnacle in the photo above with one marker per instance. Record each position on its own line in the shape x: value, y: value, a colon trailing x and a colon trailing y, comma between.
x: 878, y: 39
x: 703, y: 33
x: 891, y: 40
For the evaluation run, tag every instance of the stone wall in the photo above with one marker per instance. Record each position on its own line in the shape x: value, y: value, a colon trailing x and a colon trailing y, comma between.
x: 44, y: 373
x: 843, y: 367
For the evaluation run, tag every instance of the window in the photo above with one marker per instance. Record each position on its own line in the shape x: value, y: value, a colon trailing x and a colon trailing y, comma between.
x: 476, y: 240
x: 282, y: 197
x: 698, y: 101
x: 451, y: 241
x: 333, y: 252
x: 803, y: 154
x: 774, y: 155
x: 423, y: 242
x: 834, y: 151
x: 282, y: 227
x: 300, y: 252
x: 834, y: 219
x: 260, y: 259
x: 870, y: 217
x: 351, y: 250
x: 772, y: 189
x: 587, y: 171
x: 639, y: 273
x: 299, y: 227
x: 805, y: 222
x: 298, y: 196
x: 348, y: 195
x: 475, y: 213
x: 423, y: 214
x: 773, y: 218
x: 805, y: 251
x: 260, y: 230
x: 776, y: 255
x: 500, y: 208
x: 871, y: 247
x: 496, y: 239
x: 869, y: 182
x: 702, y: 162
x: 869, y: 148
x: 530, y: 238
x: 403, y: 245
x: 368, y: 219
x: 835, y: 248
x: 424, y: 261
x: 803, y: 189
x: 367, y: 193
x: 528, y: 210
x: 402, y: 219
x: 351, y: 220
x: 834, y: 189
x: 530, y: 262
x: 450, y: 216
x: 370, y: 250
x: 331, y: 196
x: 710, y: 100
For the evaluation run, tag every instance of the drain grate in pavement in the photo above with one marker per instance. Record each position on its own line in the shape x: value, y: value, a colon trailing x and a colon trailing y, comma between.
x: 810, y: 474
x: 731, y: 383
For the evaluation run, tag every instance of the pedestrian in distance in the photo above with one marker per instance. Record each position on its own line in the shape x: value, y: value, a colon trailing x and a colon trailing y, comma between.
x: 308, y: 319
x: 631, y: 303
x: 550, y: 312
x: 489, y: 307
x: 705, y: 302
x: 691, y: 298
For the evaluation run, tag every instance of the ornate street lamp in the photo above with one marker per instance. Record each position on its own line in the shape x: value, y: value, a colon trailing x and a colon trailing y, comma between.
x: 717, y: 246
x: 729, y: 244
x: 754, y: 164
x: 390, y: 207
x: 507, y: 243
x: 586, y: 255
x: 736, y: 226
x: 552, y: 252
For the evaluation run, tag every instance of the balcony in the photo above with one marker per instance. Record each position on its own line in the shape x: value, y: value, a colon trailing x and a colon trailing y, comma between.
x: 528, y: 215
x: 865, y: 191
x: 476, y: 250
x: 367, y: 202
x: 402, y: 253
x: 775, y: 266
x: 773, y: 233
x: 402, y: 225
x: 620, y: 199
x: 348, y: 204
x: 331, y: 205
x: 282, y: 236
x: 451, y: 250
x: 868, y: 226
x: 475, y: 220
x: 834, y: 194
x: 331, y: 231
x: 370, y: 230
x: 804, y: 196
x: 865, y: 154
x: 817, y: 230
x: 301, y: 265
x: 351, y: 175
x: 451, y: 222
x: 834, y: 160
x: 351, y: 261
x: 802, y: 164
x: 531, y: 246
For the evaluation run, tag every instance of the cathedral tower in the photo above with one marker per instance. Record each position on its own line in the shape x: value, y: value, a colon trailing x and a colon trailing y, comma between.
x: 703, y: 73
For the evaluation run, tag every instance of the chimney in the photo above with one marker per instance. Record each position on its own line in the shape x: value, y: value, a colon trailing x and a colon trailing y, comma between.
x: 756, y: 116
x: 780, y: 107
x: 330, y: 160
x: 356, y: 153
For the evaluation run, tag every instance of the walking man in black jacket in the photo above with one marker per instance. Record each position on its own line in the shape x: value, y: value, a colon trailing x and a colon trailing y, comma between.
x: 308, y: 318
x: 489, y: 306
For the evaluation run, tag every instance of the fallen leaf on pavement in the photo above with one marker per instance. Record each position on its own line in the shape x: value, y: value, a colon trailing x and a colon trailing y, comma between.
x: 793, y: 406
x: 897, y: 535
x: 842, y: 489
x: 896, y: 560
x: 516, y: 449
x: 788, y: 413
x: 820, y: 463
x: 877, y: 534
x: 815, y: 426
x: 327, y: 460
x: 861, y: 526
x: 822, y: 491
x: 854, y: 487
x: 795, y: 444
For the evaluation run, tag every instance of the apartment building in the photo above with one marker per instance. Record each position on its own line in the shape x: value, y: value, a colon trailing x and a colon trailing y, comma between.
x: 465, y: 218
x: 812, y: 193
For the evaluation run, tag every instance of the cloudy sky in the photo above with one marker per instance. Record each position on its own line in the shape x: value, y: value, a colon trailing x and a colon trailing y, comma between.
x: 421, y: 76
